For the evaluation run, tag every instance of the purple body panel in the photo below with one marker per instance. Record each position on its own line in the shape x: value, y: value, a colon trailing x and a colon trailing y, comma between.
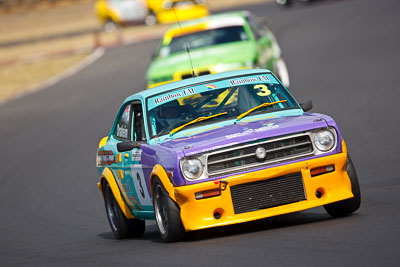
x: 169, y: 153
x: 166, y: 157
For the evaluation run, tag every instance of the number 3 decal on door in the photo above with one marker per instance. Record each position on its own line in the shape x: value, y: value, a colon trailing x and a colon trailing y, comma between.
x: 140, y: 185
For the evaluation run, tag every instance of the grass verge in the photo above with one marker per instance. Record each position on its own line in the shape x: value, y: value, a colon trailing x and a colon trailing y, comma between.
x: 20, y: 78
x: 23, y: 67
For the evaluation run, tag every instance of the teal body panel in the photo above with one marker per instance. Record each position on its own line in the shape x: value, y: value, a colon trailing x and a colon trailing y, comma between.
x: 132, y: 184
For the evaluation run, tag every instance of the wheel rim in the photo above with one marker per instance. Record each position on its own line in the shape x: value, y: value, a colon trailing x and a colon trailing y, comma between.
x: 111, y: 207
x: 160, y: 211
x: 110, y: 26
x: 150, y: 20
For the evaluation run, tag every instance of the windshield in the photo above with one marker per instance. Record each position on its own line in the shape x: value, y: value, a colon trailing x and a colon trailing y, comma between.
x: 237, y: 96
x: 204, y: 38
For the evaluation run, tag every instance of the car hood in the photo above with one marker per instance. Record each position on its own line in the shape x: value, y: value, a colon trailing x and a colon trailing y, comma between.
x: 204, y: 57
x: 246, y: 132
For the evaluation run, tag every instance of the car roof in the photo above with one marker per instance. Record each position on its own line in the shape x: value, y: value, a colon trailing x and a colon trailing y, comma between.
x: 192, y: 81
x: 227, y: 18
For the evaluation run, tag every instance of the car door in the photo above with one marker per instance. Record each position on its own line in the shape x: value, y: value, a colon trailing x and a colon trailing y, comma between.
x: 122, y: 134
x: 133, y: 165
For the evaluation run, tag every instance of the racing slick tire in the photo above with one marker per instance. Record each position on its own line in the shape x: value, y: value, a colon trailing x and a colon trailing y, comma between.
x: 347, y: 206
x: 167, y: 214
x: 121, y: 226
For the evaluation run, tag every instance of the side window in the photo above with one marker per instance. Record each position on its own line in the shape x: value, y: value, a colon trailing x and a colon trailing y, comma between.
x: 256, y: 28
x: 138, y: 130
x: 122, y: 130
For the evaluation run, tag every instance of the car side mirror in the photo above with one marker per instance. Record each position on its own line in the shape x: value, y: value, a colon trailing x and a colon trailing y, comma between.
x: 306, y: 106
x: 127, y: 146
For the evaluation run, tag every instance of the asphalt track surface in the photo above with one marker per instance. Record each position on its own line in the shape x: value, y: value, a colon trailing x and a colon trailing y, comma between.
x: 343, y: 55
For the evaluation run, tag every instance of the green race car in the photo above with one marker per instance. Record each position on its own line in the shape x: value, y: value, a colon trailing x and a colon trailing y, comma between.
x: 218, y: 43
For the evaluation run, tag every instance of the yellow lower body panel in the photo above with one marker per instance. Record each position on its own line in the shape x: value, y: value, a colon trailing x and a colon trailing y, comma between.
x: 199, y: 214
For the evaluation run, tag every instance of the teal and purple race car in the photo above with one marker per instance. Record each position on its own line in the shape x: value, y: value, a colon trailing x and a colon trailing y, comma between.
x: 220, y: 149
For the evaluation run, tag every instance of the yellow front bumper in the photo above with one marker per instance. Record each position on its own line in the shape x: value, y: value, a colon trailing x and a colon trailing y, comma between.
x: 199, y: 214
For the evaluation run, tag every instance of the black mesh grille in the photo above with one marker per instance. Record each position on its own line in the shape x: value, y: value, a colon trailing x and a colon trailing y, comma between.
x: 268, y: 193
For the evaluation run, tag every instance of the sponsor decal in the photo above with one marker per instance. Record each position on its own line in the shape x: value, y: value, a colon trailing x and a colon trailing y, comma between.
x: 264, y: 128
x: 106, y: 157
x: 188, y: 91
x: 130, y: 197
x: 270, y: 126
x: 263, y: 78
x: 136, y: 155
x: 127, y: 188
x: 166, y: 98
x: 135, y: 202
x: 122, y: 132
x: 211, y: 86
x: 174, y: 95
x: 245, y: 80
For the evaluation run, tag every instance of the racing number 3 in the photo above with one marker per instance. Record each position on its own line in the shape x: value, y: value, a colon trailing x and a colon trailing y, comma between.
x: 140, y: 185
x: 264, y: 91
x: 141, y: 190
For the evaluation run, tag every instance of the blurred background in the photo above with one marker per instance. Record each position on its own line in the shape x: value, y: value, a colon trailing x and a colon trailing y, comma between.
x: 41, y: 38
x: 341, y: 54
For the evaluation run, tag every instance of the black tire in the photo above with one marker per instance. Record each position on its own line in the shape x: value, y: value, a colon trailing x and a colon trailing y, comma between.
x: 347, y: 206
x: 167, y: 214
x: 121, y: 226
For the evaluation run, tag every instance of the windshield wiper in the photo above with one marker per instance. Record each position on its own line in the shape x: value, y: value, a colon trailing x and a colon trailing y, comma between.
x: 177, y: 129
x: 244, y: 114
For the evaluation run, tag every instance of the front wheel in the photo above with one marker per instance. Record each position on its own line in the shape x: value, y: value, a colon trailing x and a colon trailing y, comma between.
x: 347, y: 206
x: 150, y: 19
x: 167, y: 214
x: 121, y: 226
x: 110, y: 25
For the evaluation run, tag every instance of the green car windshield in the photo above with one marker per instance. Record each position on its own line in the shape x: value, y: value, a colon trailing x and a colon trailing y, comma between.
x: 236, y: 101
x: 204, y: 38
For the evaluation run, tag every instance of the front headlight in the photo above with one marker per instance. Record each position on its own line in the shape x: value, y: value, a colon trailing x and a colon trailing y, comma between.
x: 192, y: 168
x: 324, y: 140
